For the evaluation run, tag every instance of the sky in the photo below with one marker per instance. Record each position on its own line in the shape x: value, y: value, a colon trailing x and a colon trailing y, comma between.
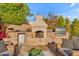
x: 70, y: 10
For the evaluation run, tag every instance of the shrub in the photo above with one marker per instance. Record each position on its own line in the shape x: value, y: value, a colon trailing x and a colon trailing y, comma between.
x: 34, y: 52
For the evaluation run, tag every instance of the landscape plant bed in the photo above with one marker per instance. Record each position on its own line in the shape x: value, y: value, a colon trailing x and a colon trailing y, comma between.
x: 34, y: 52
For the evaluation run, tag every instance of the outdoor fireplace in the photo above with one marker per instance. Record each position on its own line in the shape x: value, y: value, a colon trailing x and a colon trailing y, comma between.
x: 39, y: 34
x: 39, y: 27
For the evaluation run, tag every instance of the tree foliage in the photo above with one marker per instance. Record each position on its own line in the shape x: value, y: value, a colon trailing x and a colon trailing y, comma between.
x: 51, y: 21
x: 67, y: 24
x: 75, y: 27
x: 60, y: 21
x: 13, y: 13
x: 54, y: 21
x: 2, y: 27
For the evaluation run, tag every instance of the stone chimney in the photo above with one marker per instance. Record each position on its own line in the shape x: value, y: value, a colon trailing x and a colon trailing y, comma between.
x: 38, y: 17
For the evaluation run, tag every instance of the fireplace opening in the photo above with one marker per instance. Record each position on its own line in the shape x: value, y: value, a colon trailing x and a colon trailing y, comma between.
x: 39, y: 34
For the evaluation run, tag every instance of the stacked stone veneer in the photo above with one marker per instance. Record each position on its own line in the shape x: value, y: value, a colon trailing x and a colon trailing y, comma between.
x: 38, y: 25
